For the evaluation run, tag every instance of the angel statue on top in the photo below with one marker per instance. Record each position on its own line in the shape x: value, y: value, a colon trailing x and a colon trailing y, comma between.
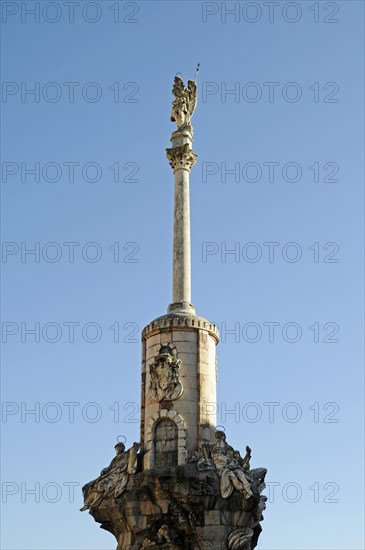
x: 184, y: 103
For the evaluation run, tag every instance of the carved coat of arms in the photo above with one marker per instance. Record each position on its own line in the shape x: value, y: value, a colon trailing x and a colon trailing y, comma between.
x: 165, y: 376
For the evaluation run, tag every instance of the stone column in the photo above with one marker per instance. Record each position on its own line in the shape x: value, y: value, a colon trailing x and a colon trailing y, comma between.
x: 181, y: 158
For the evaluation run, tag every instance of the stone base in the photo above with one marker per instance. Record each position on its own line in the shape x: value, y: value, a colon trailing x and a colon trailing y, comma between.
x: 182, y: 308
x: 181, y: 508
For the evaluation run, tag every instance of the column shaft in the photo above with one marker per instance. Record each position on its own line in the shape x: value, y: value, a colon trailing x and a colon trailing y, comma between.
x: 181, y: 253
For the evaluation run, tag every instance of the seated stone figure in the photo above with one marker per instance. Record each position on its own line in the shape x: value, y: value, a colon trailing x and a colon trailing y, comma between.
x: 233, y: 470
x: 113, y: 479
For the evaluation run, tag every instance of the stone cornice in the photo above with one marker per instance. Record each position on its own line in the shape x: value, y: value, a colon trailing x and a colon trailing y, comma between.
x: 181, y: 322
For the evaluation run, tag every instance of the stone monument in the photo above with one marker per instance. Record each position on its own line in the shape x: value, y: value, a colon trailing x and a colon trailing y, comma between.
x: 182, y: 486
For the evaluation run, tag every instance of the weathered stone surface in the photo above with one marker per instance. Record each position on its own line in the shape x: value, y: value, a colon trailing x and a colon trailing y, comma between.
x: 184, y: 104
x: 192, y: 369
x: 165, y: 383
x: 185, y: 500
x: 186, y: 506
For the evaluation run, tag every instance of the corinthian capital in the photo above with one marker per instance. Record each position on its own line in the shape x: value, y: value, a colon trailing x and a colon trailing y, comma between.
x: 181, y: 157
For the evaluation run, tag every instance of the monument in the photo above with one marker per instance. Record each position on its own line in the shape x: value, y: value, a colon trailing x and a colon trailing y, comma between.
x: 182, y: 486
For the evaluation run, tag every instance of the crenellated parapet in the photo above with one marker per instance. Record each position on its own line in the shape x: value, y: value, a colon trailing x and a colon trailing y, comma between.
x: 177, y: 322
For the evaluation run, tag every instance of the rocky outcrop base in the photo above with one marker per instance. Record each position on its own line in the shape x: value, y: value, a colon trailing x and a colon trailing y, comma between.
x: 182, y: 507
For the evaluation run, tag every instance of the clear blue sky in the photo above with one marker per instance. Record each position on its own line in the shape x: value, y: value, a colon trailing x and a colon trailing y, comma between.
x: 312, y: 118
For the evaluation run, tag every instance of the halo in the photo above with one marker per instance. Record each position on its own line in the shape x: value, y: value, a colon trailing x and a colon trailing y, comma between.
x: 180, y: 75
x: 121, y: 439
x: 222, y: 428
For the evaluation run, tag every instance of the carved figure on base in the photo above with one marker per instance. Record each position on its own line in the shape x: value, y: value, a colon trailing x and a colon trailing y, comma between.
x: 113, y: 479
x: 233, y: 470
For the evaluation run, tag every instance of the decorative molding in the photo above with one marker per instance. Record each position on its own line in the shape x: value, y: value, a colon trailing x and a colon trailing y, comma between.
x: 181, y: 322
x: 165, y: 381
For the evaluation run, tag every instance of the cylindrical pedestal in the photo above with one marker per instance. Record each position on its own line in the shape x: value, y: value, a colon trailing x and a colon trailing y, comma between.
x: 190, y: 418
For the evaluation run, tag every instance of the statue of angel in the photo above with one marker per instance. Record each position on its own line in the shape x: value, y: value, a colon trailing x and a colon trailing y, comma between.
x: 184, y: 103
